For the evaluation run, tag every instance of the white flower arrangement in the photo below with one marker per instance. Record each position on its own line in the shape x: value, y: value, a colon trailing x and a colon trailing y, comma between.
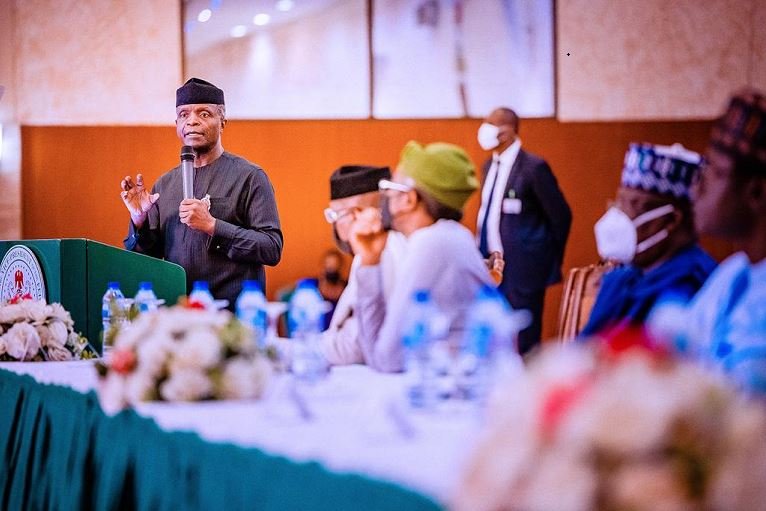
x: 183, y: 354
x: 618, y: 428
x: 31, y: 330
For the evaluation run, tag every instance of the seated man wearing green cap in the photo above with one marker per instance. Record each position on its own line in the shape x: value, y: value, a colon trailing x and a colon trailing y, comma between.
x: 230, y: 229
x: 424, y: 201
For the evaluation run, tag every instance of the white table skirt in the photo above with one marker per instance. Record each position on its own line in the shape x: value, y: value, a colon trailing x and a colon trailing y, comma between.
x: 359, y: 423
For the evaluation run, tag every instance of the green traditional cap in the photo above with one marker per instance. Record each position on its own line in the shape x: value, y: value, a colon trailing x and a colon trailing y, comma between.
x: 443, y: 171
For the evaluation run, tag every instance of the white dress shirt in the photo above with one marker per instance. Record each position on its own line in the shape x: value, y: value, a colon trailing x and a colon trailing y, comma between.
x: 501, y: 167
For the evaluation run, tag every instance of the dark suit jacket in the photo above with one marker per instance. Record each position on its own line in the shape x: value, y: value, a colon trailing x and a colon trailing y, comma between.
x: 534, y: 239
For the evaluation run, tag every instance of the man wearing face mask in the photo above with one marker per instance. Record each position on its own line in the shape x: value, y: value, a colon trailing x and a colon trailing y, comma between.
x: 650, y: 229
x: 524, y: 216
x: 353, y: 188
x: 424, y: 201
x: 330, y: 282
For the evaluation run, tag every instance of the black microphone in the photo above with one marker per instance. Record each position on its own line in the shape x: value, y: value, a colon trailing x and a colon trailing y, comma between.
x: 187, y: 171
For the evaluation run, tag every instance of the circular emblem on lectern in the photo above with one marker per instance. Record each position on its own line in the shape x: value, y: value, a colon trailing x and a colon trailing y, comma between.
x: 21, y: 275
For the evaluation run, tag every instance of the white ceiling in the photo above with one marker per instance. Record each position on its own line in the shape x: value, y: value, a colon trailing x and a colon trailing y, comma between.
x: 230, y: 13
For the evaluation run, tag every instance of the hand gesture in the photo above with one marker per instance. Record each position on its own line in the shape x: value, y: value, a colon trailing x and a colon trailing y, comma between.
x: 195, y: 214
x: 137, y: 199
x: 367, y: 236
x: 495, y: 265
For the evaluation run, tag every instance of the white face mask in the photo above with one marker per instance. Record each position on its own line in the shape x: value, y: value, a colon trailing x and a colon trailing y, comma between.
x: 487, y: 136
x: 617, y: 236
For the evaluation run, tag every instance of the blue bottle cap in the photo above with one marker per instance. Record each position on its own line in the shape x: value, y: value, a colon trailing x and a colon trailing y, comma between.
x: 113, y: 285
x: 422, y: 295
x: 251, y: 285
x: 487, y: 291
x: 306, y: 283
x: 200, y: 285
x: 145, y: 286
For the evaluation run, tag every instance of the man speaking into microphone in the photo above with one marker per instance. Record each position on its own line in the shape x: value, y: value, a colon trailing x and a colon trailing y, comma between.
x: 230, y: 229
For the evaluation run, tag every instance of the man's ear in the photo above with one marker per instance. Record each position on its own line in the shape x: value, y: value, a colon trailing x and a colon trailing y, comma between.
x: 676, y: 218
x: 507, y: 133
x: 755, y: 195
x: 412, y: 200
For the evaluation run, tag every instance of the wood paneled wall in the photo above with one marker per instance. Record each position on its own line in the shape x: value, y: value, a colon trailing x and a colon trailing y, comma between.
x: 71, y: 175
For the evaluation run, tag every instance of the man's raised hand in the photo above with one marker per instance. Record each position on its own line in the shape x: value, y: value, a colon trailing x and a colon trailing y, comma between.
x: 137, y: 199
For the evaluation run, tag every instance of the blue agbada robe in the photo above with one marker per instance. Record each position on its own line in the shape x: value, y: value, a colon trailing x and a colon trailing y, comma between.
x: 628, y: 294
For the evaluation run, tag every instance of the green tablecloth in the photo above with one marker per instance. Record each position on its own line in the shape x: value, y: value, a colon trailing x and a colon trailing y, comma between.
x: 60, y: 451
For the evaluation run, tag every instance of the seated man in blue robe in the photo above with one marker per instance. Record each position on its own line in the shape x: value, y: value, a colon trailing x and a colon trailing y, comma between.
x: 726, y: 321
x: 649, y: 229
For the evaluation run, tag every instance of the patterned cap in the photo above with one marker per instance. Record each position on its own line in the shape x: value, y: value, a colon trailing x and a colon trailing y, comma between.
x: 664, y: 170
x: 741, y: 132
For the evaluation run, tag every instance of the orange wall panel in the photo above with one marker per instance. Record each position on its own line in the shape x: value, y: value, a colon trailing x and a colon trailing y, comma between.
x: 71, y: 175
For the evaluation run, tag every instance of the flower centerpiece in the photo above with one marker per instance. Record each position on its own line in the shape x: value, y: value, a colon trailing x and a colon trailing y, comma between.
x: 31, y: 330
x: 617, y: 426
x: 183, y: 353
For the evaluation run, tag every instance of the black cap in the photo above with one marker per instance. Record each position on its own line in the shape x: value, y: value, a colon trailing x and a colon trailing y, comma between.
x: 196, y: 91
x: 352, y: 180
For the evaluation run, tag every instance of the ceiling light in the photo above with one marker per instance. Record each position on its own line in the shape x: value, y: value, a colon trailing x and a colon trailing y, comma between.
x: 285, y: 5
x: 238, y: 31
x: 261, y: 19
x: 204, y: 15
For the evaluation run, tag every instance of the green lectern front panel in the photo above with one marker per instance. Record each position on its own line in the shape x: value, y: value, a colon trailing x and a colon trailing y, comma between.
x: 76, y: 272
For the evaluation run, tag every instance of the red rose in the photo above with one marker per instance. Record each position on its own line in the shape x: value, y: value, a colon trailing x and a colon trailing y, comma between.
x: 123, y: 361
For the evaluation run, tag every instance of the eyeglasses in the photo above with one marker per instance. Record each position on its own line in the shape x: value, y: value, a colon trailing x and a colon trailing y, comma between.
x: 333, y: 216
x: 385, y: 184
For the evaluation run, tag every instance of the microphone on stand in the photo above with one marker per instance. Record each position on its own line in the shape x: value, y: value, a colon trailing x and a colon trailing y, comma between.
x: 187, y: 171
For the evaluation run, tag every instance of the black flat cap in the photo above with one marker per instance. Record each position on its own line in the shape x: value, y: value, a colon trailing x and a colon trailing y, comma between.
x: 196, y: 91
x: 356, y: 179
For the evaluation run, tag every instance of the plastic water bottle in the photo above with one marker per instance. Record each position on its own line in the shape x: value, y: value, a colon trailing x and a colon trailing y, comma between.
x: 251, y: 310
x: 417, y: 339
x: 307, y: 309
x: 146, y: 300
x: 489, y: 349
x: 110, y: 304
x: 201, y: 294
